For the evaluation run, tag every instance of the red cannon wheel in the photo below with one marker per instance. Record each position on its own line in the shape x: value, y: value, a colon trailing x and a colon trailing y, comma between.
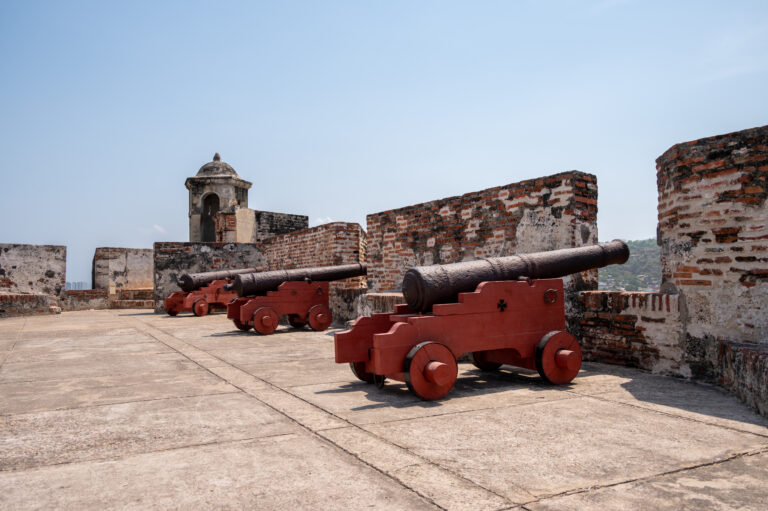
x: 296, y: 322
x: 241, y: 326
x: 319, y: 317
x: 430, y: 370
x: 200, y: 307
x: 558, y: 357
x: 358, y: 369
x: 265, y: 320
x: 172, y: 312
x: 478, y: 360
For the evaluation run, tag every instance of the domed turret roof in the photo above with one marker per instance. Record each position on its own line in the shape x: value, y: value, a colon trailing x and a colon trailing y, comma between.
x: 217, y: 168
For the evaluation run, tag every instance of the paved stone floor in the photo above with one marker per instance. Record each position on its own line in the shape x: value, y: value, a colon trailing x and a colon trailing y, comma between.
x: 128, y: 409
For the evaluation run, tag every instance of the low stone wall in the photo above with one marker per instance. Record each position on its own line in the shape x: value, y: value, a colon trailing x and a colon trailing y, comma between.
x: 18, y: 304
x: 743, y: 369
x: 634, y: 329
x: 86, y: 299
x: 129, y: 268
x: 171, y: 259
x: 35, y: 269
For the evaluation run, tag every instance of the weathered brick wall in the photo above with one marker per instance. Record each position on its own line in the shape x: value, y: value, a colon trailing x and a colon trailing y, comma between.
x: 129, y: 268
x: 547, y: 213
x: 85, y: 299
x: 267, y: 224
x: 325, y: 245
x: 40, y: 269
x: 743, y: 369
x: 20, y: 304
x: 635, y: 329
x: 171, y: 259
x: 713, y: 231
x: 255, y: 226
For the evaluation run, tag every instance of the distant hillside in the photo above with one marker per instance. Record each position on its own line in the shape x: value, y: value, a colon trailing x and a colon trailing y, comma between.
x: 641, y: 273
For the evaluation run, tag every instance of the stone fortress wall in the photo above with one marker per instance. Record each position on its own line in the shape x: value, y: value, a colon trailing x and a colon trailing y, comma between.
x: 128, y: 268
x: 710, y: 320
x: 32, y: 278
x: 33, y: 269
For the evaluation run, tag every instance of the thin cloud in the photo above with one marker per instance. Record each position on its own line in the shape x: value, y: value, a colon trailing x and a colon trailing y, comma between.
x: 321, y: 220
x: 159, y: 228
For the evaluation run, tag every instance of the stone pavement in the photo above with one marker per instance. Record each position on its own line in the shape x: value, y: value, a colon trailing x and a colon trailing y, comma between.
x: 128, y: 409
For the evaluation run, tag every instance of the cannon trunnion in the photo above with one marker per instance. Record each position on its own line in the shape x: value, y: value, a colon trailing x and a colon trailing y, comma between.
x: 499, y: 311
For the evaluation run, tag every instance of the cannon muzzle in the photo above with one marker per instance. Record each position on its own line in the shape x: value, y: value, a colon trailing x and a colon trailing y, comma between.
x: 254, y: 283
x: 424, y: 286
x: 190, y: 281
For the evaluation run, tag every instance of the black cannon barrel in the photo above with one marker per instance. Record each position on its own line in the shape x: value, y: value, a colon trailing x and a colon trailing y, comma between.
x: 424, y: 286
x: 190, y: 281
x: 248, y: 284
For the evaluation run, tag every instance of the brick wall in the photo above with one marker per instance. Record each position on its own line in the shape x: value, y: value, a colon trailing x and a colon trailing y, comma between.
x: 129, y: 268
x: 547, y: 213
x: 713, y: 231
x: 635, y: 329
x: 85, y: 299
x: 255, y: 226
x: 325, y: 245
x: 268, y: 224
x: 20, y: 304
x: 40, y: 269
x: 171, y: 259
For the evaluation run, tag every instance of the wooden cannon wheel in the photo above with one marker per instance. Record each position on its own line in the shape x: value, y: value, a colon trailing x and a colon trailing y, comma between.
x: 319, y: 317
x: 558, y: 357
x: 478, y: 360
x: 358, y: 369
x: 241, y: 326
x: 295, y: 321
x: 200, y: 307
x: 430, y: 370
x: 265, y: 320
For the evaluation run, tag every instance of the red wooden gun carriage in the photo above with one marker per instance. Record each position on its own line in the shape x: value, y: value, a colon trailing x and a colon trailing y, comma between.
x: 507, y: 310
x: 201, y: 292
x: 301, y: 295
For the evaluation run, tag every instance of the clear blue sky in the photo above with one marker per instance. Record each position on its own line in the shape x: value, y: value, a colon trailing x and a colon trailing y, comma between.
x: 338, y: 109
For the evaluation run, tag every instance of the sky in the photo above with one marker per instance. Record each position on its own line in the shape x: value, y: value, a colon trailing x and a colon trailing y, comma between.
x: 339, y: 109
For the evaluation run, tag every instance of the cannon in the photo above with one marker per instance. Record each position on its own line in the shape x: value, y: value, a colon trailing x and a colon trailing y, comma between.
x: 202, y: 292
x: 507, y: 310
x: 190, y: 281
x: 300, y: 294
